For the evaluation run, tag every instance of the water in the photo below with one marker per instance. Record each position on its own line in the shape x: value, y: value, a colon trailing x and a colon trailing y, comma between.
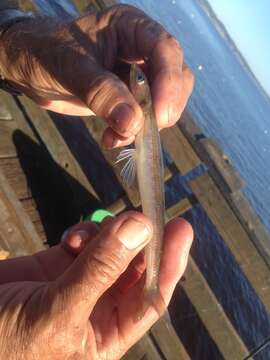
x: 228, y: 106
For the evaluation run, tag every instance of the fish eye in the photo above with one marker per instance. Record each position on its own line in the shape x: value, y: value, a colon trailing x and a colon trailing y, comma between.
x: 140, y: 78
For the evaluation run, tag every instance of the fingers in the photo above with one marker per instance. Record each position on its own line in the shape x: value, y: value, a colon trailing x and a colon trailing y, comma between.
x: 75, y: 239
x: 171, y: 81
x: 73, y: 242
x: 67, y: 107
x: 103, y: 261
x: 111, y: 139
x: 171, y: 90
x: 108, y: 97
x: 111, y: 99
x: 130, y: 277
x: 177, y: 243
x: 133, y: 37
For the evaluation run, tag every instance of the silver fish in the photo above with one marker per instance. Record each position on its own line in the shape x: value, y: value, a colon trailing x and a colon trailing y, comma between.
x: 150, y: 178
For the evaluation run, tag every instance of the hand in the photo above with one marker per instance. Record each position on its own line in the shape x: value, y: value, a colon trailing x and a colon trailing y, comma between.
x: 88, y: 310
x: 71, y: 68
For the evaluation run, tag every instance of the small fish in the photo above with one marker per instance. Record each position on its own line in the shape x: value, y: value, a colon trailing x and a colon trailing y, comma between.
x: 146, y: 160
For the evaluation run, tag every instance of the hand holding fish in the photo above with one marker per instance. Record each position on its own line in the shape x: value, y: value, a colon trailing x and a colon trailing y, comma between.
x: 72, y: 67
x: 85, y: 306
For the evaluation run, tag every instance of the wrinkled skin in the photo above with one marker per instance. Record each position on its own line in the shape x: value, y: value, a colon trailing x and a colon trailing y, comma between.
x: 75, y: 68
x: 80, y: 300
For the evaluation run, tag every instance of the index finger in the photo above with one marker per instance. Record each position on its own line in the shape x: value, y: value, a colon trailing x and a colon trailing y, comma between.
x: 171, y: 82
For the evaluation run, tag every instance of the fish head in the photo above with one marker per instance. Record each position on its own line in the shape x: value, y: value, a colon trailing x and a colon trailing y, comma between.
x: 139, y: 86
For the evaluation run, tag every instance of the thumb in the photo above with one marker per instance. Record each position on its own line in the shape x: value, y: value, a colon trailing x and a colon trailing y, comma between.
x: 102, y: 262
x: 108, y: 97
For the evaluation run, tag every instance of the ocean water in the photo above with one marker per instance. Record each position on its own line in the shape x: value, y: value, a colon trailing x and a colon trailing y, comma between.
x: 228, y: 106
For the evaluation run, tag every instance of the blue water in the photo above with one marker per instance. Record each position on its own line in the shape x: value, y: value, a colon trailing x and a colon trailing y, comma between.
x: 228, y: 106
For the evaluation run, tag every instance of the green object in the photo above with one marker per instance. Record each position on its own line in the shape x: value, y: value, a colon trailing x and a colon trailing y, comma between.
x: 98, y: 216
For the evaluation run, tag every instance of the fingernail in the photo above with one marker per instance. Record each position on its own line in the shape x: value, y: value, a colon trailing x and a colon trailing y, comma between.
x: 133, y: 233
x: 76, y: 239
x: 123, y: 118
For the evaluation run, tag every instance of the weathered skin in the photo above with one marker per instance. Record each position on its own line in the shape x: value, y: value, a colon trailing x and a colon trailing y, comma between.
x: 151, y: 184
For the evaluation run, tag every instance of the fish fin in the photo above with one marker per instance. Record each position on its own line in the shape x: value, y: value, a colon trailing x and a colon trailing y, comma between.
x: 128, y: 172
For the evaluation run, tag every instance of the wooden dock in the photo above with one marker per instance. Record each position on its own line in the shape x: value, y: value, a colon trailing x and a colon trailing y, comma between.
x: 45, y: 186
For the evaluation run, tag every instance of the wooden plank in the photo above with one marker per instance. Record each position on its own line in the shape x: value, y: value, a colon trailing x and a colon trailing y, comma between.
x: 179, y: 208
x: 5, y: 114
x: 40, y: 230
x: 143, y: 350
x: 234, y: 235
x: 175, y: 210
x: 118, y: 206
x: 17, y: 231
x: 208, y: 150
x: 189, y: 128
x: 166, y: 339
x: 31, y: 208
x: 12, y: 132
x: 251, y: 223
x: 179, y: 149
x: 211, y: 314
x: 15, y: 176
x: 220, y: 165
x: 7, y: 148
x: 58, y: 149
x: 18, y: 179
x: 9, y: 130
x: 17, y: 114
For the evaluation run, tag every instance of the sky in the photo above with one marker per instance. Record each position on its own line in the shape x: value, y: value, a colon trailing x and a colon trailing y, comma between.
x: 248, y: 23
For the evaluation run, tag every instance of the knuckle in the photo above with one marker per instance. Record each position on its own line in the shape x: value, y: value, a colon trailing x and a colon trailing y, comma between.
x: 169, y: 45
x: 104, y: 92
x: 172, y: 42
x: 106, y: 267
x: 154, y: 28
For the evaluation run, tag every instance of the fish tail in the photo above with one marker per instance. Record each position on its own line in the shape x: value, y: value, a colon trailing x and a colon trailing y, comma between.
x: 151, y: 298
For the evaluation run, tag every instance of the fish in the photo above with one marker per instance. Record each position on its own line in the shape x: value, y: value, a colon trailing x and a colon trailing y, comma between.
x: 146, y: 161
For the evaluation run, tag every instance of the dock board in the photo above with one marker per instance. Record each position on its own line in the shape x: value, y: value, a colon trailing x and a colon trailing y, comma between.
x: 17, y: 232
x: 234, y: 235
